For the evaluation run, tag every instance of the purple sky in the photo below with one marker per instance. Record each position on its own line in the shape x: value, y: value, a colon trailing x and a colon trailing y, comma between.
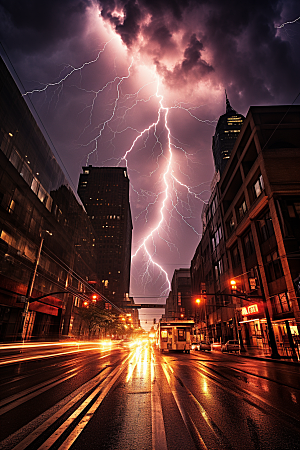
x: 102, y: 72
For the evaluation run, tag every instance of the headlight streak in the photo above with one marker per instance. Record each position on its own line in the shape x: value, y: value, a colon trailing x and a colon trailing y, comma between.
x: 86, y: 347
x: 133, y: 362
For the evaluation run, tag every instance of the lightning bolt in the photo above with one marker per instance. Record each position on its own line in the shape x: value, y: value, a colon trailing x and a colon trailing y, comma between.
x: 168, y: 174
x: 167, y: 201
x: 61, y: 80
x: 289, y: 22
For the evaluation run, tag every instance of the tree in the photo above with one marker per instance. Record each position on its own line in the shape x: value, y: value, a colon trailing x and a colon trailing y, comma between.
x: 94, y: 317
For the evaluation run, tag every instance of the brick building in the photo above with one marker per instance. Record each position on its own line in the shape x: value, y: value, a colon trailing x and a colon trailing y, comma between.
x: 251, y: 229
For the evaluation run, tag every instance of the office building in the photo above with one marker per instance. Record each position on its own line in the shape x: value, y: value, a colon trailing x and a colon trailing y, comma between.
x: 228, y: 127
x: 104, y: 192
x: 179, y: 303
x: 36, y: 200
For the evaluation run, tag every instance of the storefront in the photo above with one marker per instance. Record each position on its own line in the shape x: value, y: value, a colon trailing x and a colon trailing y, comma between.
x: 254, y: 326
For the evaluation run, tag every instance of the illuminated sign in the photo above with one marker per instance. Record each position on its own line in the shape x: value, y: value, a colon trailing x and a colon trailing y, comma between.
x: 251, y: 309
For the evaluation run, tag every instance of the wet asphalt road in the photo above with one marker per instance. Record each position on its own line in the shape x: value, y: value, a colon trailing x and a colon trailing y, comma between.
x: 127, y: 396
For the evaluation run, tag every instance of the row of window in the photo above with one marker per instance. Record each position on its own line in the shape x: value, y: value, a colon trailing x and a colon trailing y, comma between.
x: 241, y: 209
x: 216, y: 238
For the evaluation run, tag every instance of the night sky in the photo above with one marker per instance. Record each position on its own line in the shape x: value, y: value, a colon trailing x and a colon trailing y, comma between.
x: 141, y: 83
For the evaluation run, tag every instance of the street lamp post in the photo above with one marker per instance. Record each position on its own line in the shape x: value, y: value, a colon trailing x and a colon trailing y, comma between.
x: 31, y: 283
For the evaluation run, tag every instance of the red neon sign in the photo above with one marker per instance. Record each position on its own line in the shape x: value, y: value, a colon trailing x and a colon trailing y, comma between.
x: 251, y: 309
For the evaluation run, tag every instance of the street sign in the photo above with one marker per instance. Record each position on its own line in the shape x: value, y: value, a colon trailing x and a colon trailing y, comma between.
x: 252, y: 283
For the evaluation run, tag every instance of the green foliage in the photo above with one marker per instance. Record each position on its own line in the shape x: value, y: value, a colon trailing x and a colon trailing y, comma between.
x: 97, y: 318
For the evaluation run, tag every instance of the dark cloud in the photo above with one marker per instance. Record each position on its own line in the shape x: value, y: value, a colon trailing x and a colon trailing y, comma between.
x: 38, y: 25
x: 240, y: 42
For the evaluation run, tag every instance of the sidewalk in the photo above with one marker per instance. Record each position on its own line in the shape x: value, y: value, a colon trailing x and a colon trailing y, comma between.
x: 256, y: 353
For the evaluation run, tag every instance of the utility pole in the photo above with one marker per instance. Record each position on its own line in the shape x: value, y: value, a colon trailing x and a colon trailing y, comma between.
x: 31, y: 284
x: 272, y: 341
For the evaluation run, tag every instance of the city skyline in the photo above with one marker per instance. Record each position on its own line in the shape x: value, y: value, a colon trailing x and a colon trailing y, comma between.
x: 123, y: 67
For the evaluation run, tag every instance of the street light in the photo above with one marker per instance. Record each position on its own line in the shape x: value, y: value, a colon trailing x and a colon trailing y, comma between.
x: 233, y: 285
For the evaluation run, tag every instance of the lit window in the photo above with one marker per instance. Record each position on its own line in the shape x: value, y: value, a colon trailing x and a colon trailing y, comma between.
x: 258, y: 186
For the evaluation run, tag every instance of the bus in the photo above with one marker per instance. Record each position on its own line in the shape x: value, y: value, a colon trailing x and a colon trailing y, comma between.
x: 174, y: 334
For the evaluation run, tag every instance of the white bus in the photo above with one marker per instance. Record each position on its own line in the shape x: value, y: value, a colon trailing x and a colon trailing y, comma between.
x: 175, y: 335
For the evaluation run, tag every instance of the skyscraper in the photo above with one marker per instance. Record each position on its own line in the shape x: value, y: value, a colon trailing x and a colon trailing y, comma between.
x: 104, y: 192
x: 228, y: 127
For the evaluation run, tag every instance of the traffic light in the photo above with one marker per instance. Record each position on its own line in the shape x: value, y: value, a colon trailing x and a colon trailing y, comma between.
x: 198, y: 301
x: 94, y: 298
x: 233, y: 286
x: 86, y: 304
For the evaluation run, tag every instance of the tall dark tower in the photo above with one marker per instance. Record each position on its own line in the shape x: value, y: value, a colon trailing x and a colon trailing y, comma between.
x: 104, y: 191
x: 228, y: 127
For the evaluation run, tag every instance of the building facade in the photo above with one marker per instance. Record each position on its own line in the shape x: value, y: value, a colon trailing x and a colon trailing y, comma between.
x: 179, y: 304
x: 251, y: 235
x: 43, y: 228
x: 228, y: 127
x: 104, y: 192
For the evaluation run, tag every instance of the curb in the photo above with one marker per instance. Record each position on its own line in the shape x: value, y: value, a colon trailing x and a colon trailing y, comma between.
x: 269, y: 359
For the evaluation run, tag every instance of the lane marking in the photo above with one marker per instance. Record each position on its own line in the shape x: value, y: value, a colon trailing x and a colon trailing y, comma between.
x: 45, y: 425
x: 89, y: 415
x: 26, y: 395
x: 188, y: 421
x: 21, y: 397
x: 159, y: 440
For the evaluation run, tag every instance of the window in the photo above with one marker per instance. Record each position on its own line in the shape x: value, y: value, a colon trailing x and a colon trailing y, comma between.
x: 219, y: 269
x: 42, y: 194
x: 213, y: 206
x: 242, y: 209
x: 273, y: 267
x: 265, y: 226
x: 235, y: 257
x: 179, y: 298
x: 258, y: 186
x: 26, y: 174
x: 35, y: 185
x: 294, y: 210
x: 181, y: 334
x: 15, y: 159
x: 11, y: 207
x: 217, y: 236
x: 281, y: 303
x: 164, y: 335
x: 248, y: 244
x: 230, y: 224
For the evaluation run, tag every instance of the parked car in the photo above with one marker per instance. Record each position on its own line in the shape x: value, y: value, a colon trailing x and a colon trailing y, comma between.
x: 230, y: 346
x: 205, y: 346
